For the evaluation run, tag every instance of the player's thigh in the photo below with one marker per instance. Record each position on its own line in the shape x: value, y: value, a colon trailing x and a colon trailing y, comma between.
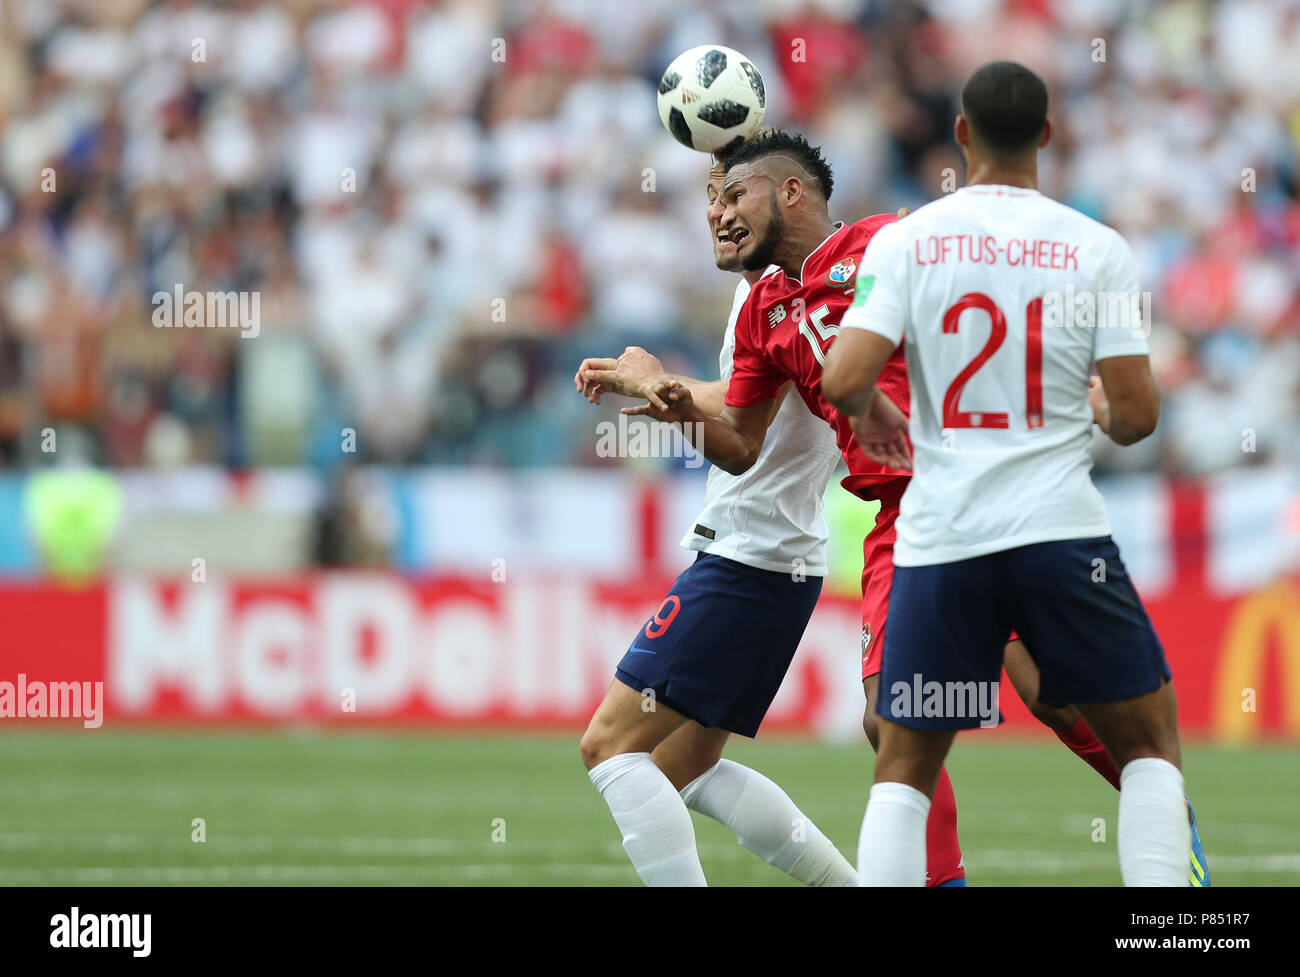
x: 689, y: 751
x: 1143, y: 726
x: 626, y: 722
x: 1022, y: 670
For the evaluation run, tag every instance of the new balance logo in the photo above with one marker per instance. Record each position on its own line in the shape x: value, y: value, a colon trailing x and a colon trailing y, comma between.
x: 776, y: 316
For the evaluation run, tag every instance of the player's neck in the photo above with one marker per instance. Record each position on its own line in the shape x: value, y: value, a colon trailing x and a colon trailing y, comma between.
x: 1004, y: 172
x: 802, y: 242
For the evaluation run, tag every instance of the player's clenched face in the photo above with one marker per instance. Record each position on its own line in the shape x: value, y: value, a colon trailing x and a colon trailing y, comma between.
x: 724, y: 250
x: 751, y: 221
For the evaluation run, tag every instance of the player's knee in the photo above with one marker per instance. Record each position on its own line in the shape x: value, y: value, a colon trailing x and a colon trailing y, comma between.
x: 594, y: 748
x: 871, y: 725
x: 1061, y: 720
x: 870, y: 721
x: 1156, y: 743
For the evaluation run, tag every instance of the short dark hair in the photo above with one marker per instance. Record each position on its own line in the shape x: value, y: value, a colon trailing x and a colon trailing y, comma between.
x: 720, y: 156
x: 1005, y: 105
x: 781, y: 143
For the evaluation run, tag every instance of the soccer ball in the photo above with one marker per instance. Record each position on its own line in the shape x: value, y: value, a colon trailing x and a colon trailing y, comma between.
x: 711, y: 98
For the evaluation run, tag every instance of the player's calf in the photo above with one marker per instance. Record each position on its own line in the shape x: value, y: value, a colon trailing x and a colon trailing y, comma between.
x: 1142, y: 727
x: 656, y: 827
x: 764, y: 818
x: 944, y: 864
x: 689, y: 752
x: 892, y: 844
x: 1153, y: 836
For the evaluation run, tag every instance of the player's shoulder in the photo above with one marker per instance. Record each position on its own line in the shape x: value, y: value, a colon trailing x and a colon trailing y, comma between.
x: 1076, y: 217
x: 861, y: 231
x: 1105, y: 244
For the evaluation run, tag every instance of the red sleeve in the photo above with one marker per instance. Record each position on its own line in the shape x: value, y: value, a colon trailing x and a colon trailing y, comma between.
x: 753, y: 379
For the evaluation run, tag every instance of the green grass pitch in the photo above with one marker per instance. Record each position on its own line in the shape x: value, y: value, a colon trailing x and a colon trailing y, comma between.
x: 338, y: 808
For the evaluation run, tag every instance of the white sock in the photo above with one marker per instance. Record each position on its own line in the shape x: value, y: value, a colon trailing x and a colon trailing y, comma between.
x: 891, y: 848
x: 1154, y: 836
x: 768, y: 823
x: 657, y: 832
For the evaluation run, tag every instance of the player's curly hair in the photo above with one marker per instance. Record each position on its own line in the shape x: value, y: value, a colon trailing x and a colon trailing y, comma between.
x: 778, y: 142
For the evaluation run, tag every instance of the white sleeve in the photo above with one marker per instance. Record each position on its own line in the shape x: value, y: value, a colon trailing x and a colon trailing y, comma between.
x: 737, y: 301
x: 1120, y: 329
x: 879, y: 299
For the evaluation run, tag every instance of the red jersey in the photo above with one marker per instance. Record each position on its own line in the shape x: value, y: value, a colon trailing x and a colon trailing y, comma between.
x: 785, y: 329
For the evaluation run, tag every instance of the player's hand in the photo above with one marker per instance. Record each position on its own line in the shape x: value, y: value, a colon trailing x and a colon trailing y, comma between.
x: 903, y: 212
x: 881, y: 432
x: 630, y: 375
x: 591, y: 386
x: 1099, y: 403
x: 667, y: 399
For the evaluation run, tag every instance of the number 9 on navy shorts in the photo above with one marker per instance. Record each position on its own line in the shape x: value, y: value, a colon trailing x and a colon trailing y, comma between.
x: 718, y: 648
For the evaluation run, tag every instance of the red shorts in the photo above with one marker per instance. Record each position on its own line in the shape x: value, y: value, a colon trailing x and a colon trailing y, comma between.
x: 878, y: 574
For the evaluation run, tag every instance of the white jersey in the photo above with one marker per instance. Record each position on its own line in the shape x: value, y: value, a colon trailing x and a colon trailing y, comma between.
x: 770, y: 516
x: 1005, y: 299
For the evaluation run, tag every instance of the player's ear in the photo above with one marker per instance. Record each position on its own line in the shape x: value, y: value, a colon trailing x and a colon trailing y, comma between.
x: 1047, y: 134
x: 793, y: 189
x: 960, y: 131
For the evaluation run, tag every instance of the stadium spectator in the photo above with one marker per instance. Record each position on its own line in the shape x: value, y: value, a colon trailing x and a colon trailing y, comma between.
x: 438, y: 200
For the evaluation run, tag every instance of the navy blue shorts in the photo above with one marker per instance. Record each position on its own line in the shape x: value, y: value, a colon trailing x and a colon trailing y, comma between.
x: 718, y: 648
x: 1072, y: 603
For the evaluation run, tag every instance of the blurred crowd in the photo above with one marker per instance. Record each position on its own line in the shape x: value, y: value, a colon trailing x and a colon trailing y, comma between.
x: 442, y: 206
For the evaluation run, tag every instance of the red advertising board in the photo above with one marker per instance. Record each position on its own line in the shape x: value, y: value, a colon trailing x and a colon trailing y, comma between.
x: 534, y: 651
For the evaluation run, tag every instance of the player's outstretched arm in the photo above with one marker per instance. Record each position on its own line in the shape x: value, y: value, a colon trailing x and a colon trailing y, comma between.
x: 632, y: 374
x: 732, y: 440
x: 1126, y: 405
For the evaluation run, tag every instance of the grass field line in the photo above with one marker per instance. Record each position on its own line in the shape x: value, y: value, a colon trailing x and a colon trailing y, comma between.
x: 1018, y: 861
x: 1077, y: 824
x: 1046, y: 864
x: 396, y: 847
x: 433, y: 846
x: 498, y: 801
x: 457, y: 874
x: 982, y: 861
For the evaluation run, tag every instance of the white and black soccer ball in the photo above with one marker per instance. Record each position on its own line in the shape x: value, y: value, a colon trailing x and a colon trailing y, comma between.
x: 711, y: 98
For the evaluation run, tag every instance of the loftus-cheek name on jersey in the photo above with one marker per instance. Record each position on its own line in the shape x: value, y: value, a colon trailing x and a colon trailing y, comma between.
x: 988, y: 250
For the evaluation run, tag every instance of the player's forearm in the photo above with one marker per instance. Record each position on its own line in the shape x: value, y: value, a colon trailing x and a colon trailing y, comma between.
x: 1125, y: 434
x: 852, y: 402
x: 709, y: 395
x: 1127, y: 407
x: 719, y: 441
